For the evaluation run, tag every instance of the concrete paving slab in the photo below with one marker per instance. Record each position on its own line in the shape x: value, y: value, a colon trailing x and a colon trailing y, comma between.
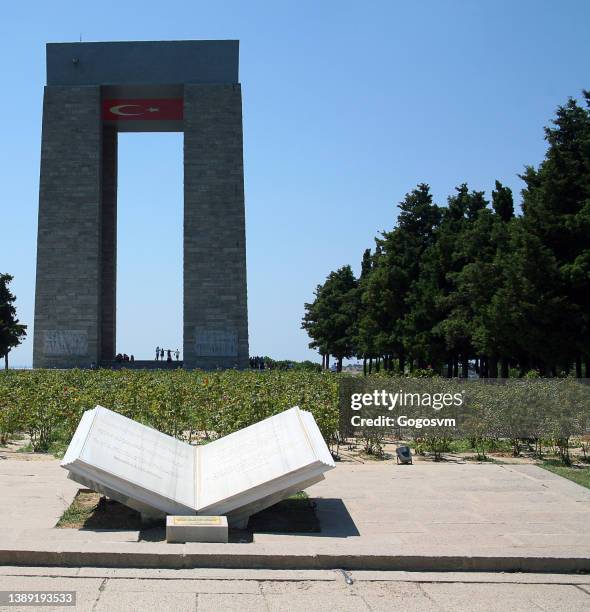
x: 456, y: 592
x: 268, y: 577
x: 207, y: 573
x: 307, y: 586
x: 230, y: 603
x: 373, y: 556
x: 44, y: 583
x: 182, y: 586
x: 470, y: 577
x: 34, y: 493
x: 87, y: 590
x: 66, y: 535
x: 84, y: 603
x: 217, y: 576
x: 140, y: 602
x: 410, y: 604
x: 304, y: 602
x: 397, y: 596
x: 427, y: 516
x: 499, y: 597
x: 23, y: 570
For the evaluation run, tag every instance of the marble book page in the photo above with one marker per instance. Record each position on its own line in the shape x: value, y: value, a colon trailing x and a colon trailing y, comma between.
x: 251, y: 457
x: 137, y: 454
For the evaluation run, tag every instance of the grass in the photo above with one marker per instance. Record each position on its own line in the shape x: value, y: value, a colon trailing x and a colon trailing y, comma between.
x: 459, y: 446
x: 57, y: 449
x: 382, y: 456
x: 579, y: 475
x: 90, y: 510
x: 463, y: 445
x: 80, y: 510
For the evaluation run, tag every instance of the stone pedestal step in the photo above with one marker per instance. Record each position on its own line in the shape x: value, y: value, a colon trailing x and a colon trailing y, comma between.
x: 144, y: 364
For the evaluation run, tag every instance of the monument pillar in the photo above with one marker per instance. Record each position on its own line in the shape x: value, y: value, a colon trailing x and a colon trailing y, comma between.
x: 215, y: 297
x: 108, y: 259
x: 67, y: 294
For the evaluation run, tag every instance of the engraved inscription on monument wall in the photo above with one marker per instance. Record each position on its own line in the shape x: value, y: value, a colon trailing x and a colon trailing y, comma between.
x: 215, y: 343
x: 65, y: 342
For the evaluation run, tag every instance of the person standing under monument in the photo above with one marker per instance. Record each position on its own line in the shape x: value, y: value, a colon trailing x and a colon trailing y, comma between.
x: 177, y: 354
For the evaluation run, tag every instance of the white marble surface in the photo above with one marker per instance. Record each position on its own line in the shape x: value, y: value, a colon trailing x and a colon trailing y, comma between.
x: 252, y: 468
x: 181, y: 529
x: 133, y: 458
x: 252, y: 457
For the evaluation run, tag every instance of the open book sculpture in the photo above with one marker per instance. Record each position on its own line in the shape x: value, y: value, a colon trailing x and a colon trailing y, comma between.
x: 237, y: 475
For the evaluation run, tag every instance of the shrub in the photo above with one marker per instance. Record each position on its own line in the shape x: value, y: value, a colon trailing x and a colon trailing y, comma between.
x: 48, y: 404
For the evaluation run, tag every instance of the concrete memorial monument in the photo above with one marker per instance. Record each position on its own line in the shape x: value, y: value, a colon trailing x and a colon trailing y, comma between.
x: 236, y: 476
x: 94, y: 92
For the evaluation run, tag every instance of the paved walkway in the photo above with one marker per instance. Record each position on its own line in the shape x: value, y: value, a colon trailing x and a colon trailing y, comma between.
x: 33, y: 494
x: 112, y: 590
x: 373, y: 516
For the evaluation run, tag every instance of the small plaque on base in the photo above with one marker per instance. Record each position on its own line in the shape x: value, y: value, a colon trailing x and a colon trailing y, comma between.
x: 181, y: 529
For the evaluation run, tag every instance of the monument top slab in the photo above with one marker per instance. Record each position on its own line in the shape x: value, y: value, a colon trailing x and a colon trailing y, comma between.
x: 143, y: 62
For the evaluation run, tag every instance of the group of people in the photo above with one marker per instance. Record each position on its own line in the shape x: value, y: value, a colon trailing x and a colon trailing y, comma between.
x: 120, y: 357
x: 260, y: 363
x: 161, y: 353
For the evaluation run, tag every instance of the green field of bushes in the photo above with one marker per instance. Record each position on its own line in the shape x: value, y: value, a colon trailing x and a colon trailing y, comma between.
x: 47, y: 404
x: 197, y: 406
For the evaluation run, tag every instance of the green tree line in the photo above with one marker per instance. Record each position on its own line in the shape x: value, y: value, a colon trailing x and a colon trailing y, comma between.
x: 12, y: 331
x: 473, y: 282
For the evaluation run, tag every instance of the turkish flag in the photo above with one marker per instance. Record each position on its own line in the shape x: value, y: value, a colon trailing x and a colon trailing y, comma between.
x: 134, y: 109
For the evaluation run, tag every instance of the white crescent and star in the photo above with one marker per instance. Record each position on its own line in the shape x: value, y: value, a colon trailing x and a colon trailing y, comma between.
x: 118, y: 110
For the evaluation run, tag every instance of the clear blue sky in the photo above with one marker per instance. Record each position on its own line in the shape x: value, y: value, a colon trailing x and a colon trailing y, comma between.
x: 347, y: 105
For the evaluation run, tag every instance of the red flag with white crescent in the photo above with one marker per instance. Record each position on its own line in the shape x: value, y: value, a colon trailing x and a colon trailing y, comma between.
x: 157, y: 109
